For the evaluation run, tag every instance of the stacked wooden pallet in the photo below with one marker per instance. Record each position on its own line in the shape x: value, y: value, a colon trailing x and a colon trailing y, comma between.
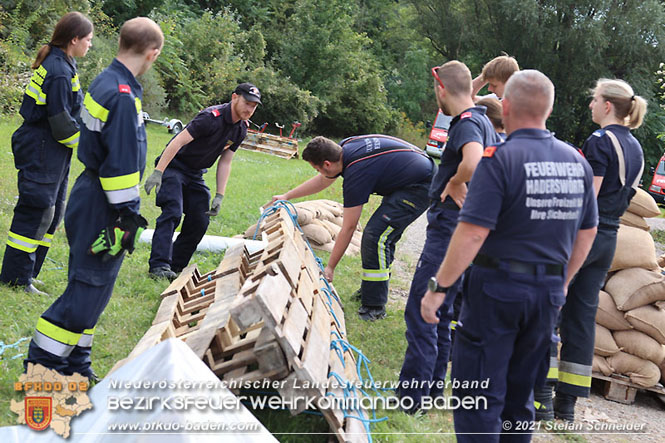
x: 270, y: 315
x: 284, y: 147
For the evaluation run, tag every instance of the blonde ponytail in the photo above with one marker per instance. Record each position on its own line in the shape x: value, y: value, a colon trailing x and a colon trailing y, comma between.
x: 628, y: 107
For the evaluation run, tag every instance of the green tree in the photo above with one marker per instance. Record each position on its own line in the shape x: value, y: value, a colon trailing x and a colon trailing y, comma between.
x: 122, y: 10
x: 322, y: 53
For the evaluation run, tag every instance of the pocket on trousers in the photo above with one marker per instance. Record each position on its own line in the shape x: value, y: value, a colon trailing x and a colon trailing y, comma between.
x: 557, y: 298
x: 468, y: 356
x: 507, y: 292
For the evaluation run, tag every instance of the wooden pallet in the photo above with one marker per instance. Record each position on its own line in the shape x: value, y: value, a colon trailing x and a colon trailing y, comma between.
x: 619, y: 388
x: 284, y: 147
x: 294, y: 303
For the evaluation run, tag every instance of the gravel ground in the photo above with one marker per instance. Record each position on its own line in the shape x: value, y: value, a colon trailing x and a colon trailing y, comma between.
x: 597, y: 416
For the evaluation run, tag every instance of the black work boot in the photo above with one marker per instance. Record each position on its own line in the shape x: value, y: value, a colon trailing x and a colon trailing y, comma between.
x: 162, y: 272
x: 564, y: 406
x: 372, y: 313
x: 542, y: 400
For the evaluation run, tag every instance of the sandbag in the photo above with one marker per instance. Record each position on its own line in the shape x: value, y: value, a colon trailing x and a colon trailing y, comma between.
x: 650, y: 320
x: 317, y: 233
x: 643, y: 204
x: 330, y: 226
x: 635, y: 287
x: 352, y: 250
x: 641, y: 372
x: 334, y: 207
x: 608, y: 315
x: 635, y: 249
x: 339, y: 220
x: 604, y: 344
x: 308, y: 206
x: 323, y: 211
x: 328, y: 247
x: 305, y: 216
x: 640, y: 345
x: 634, y: 220
x: 601, y: 365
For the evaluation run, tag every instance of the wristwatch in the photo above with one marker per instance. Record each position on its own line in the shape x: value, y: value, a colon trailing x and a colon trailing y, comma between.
x: 434, y: 286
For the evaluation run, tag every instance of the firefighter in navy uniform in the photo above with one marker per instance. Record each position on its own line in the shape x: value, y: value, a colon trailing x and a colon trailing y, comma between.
x: 617, y: 162
x: 43, y: 147
x: 370, y: 164
x: 426, y: 358
x: 102, y: 220
x: 215, y: 132
x: 527, y: 224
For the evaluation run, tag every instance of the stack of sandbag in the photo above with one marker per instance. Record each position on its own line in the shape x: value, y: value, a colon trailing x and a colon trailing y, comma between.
x: 321, y: 221
x: 630, y: 324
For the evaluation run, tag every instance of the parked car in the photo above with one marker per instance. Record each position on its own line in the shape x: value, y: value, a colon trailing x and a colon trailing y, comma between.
x: 657, y: 187
x: 438, y: 135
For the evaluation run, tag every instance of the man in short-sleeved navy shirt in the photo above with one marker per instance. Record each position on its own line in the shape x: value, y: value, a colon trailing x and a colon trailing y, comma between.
x: 215, y: 132
x: 426, y: 358
x: 530, y: 216
x: 370, y: 164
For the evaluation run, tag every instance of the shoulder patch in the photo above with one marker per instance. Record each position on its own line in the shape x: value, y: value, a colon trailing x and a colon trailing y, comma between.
x: 216, y: 112
x: 465, y: 115
x: 125, y: 88
x: 489, y: 151
x: 598, y: 133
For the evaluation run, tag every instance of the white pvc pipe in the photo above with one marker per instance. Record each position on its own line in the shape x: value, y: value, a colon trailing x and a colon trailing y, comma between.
x: 212, y: 243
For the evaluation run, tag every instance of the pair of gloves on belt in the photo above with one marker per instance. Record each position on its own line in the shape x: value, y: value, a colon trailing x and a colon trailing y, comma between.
x: 155, y: 181
x: 121, y: 235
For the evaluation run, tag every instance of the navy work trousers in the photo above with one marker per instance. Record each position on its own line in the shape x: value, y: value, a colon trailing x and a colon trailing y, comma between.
x: 90, y: 283
x: 502, y: 339
x: 578, y: 317
x: 181, y: 192
x: 428, y: 345
x: 43, y: 167
x: 382, y: 232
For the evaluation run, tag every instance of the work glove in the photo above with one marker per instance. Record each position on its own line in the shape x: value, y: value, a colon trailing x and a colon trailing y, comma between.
x: 120, y: 235
x: 154, y: 181
x: 216, y: 204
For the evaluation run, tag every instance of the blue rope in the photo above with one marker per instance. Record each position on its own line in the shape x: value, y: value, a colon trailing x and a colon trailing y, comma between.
x: 4, y: 347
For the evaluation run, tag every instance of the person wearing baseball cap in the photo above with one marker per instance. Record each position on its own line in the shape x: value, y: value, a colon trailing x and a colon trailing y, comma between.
x: 216, y: 131
x: 250, y: 92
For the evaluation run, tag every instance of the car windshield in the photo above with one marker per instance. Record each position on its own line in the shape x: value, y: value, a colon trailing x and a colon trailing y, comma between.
x: 661, y: 168
x: 442, y: 121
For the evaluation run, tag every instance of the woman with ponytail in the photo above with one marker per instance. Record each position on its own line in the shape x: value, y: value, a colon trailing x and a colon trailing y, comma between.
x: 617, y: 161
x: 42, y: 148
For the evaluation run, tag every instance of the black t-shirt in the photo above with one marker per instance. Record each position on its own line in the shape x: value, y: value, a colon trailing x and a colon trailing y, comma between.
x: 380, y: 164
x: 472, y: 125
x: 534, y: 193
x: 213, y: 130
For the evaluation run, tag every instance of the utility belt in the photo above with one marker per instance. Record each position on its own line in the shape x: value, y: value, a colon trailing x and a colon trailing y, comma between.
x: 519, y: 267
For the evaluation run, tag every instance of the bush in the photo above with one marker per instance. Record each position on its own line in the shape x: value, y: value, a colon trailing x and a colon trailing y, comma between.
x: 412, y: 133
